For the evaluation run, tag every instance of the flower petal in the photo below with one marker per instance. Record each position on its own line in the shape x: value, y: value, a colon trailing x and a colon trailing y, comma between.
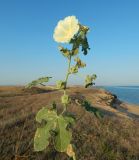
x: 66, y: 29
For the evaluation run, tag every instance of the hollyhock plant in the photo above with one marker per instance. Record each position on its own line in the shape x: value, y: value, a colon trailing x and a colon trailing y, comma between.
x: 57, y: 125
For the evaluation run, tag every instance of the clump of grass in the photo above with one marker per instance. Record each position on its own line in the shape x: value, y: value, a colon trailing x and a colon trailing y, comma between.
x: 94, y: 138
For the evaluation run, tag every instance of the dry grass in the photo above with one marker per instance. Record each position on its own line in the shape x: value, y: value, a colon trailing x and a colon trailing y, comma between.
x: 110, y: 138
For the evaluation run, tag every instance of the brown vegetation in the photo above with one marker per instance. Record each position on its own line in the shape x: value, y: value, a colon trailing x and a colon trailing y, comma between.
x: 114, y: 137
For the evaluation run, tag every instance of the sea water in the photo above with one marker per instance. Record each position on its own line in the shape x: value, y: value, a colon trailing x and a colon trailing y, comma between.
x: 129, y: 94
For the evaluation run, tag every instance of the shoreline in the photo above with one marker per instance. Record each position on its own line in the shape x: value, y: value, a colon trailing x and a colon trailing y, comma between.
x: 126, y: 94
x: 98, y: 97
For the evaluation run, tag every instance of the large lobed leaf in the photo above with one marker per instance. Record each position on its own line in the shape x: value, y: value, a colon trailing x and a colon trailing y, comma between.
x: 57, y: 123
x: 46, y: 114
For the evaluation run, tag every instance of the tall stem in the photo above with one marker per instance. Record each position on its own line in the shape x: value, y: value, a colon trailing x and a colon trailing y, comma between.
x: 66, y: 80
x: 67, y: 75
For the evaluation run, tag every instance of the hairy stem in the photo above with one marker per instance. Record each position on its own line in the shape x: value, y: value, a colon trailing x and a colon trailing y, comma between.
x: 67, y: 75
x: 66, y: 80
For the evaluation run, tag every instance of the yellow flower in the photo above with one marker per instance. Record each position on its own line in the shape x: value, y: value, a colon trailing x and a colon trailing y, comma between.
x: 66, y: 29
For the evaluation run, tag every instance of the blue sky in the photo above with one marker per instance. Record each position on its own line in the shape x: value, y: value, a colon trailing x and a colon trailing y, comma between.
x: 28, y: 51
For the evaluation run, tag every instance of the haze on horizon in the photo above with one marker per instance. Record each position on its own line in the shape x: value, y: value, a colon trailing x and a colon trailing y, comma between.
x: 28, y: 51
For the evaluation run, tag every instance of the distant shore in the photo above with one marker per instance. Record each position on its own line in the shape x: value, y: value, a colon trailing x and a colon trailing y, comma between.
x: 100, y: 98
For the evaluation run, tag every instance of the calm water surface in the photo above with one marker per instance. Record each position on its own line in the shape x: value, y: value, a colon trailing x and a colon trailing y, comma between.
x: 128, y: 94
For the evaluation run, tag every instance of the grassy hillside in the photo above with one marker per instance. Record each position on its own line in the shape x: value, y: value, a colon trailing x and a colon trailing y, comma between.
x: 113, y: 137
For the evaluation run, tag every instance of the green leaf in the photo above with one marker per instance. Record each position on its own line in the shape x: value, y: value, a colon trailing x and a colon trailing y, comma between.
x: 80, y: 39
x: 42, y: 135
x: 65, y: 52
x: 60, y: 84
x: 46, y: 114
x: 55, y: 123
x: 63, y: 136
x: 38, y: 82
x: 84, y: 41
x: 79, y: 63
x: 65, y: 99
x: 41, y: 139
x: 73, y: 70
x: 87, y: 105
x: 89, y: 80
x: 69, y: 120
x: 75, y: 51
